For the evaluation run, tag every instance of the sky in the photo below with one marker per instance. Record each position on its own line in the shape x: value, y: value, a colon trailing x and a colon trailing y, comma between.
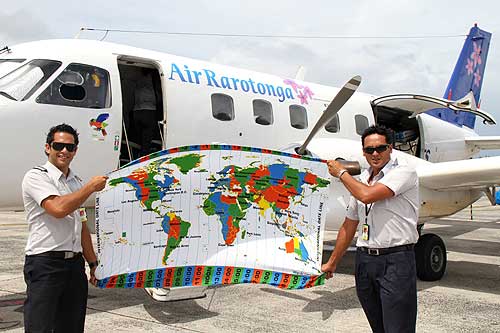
x: 388, y: 66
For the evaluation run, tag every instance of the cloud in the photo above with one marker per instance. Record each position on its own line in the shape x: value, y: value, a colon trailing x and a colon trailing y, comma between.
x: 22, y: 26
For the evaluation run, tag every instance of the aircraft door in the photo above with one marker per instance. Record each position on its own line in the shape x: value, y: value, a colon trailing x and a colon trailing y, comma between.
x: 143, y: 112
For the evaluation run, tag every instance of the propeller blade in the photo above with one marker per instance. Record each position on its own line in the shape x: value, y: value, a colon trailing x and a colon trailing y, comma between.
x: 337, y: 103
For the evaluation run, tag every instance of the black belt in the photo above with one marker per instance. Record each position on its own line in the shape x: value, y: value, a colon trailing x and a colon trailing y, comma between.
x: 387, y: 250
x: 60, y: 254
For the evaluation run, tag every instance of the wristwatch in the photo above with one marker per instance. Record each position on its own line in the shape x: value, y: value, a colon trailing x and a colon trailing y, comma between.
x: 342, y: 172
x: 93, y: 264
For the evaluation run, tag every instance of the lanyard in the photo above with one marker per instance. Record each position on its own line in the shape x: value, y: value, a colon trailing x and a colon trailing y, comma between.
x: 368, y: 208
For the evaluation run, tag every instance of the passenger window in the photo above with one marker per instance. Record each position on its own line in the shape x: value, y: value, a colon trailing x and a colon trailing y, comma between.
x: 222, y: 107
x: 333, y: 126
x: 361, y: 123
x: 21, y: 83
x: 81, y: 86
x: 262, y: 112
x: 298, y: 116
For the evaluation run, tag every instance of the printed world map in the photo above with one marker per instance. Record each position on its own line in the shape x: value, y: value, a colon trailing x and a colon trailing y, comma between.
x: 238, y: 207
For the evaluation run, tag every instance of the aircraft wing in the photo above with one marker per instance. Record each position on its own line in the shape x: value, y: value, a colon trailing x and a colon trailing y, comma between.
x: 483, y: 142
x: 477, y: 173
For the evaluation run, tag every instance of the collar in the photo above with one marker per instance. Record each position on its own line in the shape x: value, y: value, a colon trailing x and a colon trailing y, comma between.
x: 56, y: 174
x: 393, y: 162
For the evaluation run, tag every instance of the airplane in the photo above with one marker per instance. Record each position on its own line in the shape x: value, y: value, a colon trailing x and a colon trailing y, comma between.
x: 90, y: 85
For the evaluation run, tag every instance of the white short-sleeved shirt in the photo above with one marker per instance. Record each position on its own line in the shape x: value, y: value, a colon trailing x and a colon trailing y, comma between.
x: 392, y: 221
x: 48, y: 233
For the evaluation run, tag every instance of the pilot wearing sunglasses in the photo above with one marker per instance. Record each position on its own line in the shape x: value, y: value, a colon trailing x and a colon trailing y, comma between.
x: 58, y: 239
x: 383, y: 209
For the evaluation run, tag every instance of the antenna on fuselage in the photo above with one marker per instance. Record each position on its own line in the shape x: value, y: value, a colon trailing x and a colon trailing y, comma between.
x: 79, y: 32
x: 336, y: 104
x: 106, y: 32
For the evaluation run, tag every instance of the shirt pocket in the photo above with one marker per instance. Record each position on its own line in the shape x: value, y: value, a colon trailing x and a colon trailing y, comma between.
x: 63, y: 188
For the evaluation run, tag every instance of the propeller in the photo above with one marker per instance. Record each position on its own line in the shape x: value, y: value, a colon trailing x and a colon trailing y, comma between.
x: 337, y: 103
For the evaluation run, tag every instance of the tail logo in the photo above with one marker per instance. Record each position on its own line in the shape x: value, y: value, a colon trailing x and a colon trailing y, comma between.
x: 473, y: 63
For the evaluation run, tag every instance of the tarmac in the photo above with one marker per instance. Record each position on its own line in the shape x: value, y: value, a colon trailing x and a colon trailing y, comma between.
x: 466, y: 299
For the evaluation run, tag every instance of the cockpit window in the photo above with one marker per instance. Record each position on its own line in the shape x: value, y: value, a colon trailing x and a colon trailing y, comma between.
x: 81, y: 86
x: 8, y: 65
x: 21, y: 83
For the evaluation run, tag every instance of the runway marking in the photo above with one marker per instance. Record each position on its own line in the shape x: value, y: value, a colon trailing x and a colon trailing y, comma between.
x: 475, y: 258
x: 463, y: 293
x: 481, y: 234
x: 433, y: 226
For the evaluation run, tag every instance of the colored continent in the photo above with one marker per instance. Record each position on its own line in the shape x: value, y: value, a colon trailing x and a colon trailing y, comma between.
x: 187, y: 162
x: 147, y: 188
x: 295, y: 245
x: 176, y: 229
x: 230, y: 213
x: 235, y: 189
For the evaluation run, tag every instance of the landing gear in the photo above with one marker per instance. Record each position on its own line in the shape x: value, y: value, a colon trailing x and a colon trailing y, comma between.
x: 430, y: 255
x: 176, y: 294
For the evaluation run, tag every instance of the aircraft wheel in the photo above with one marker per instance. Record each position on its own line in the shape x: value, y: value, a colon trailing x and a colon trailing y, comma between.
x: 430, y: 255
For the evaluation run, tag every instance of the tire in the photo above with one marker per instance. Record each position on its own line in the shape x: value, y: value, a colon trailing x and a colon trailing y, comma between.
x: 430, y: 256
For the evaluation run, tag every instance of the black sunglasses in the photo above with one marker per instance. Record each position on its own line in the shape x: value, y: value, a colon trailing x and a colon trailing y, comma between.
x: 378, y: 149
x: 61, y: 145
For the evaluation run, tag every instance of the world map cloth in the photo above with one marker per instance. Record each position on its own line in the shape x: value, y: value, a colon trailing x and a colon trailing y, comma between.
x: 213, y: 214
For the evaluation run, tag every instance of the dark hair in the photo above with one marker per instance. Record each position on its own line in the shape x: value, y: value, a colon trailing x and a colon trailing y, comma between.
x: 377, y: 129
x: 65, y: 128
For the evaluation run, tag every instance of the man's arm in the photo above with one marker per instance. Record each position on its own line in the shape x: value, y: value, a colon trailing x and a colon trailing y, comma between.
x: 61, y: 206
x: 88, y: 251
x: 364, y: 193
x: 344, y: 239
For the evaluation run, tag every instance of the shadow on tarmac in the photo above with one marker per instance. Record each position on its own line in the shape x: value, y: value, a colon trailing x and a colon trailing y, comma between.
x: 180, y: 312
x: 327, y: 303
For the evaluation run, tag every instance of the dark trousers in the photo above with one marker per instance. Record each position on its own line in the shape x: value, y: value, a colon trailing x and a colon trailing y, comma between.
x: 387, y: 290
x: 145, y: 122
x: 56, y: 294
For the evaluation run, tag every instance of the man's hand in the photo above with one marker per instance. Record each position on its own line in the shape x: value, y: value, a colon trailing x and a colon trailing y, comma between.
x: 97, y: 183
x: 93, y: 279
x: 329, y: 269
x: 335, y: 168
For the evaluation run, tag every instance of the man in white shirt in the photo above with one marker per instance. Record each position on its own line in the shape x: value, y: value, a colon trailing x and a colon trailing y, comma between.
x: 58, y: 239
x: 386, y: 201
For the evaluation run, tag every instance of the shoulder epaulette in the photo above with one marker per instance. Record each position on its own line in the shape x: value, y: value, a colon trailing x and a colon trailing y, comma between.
x: 41, y: 168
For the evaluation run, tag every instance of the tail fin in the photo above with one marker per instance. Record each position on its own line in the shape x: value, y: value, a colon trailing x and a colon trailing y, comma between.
x: 467, y: 76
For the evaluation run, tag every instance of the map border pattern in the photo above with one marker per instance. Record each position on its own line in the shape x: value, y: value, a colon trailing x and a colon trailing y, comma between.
x: 183, y: 276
